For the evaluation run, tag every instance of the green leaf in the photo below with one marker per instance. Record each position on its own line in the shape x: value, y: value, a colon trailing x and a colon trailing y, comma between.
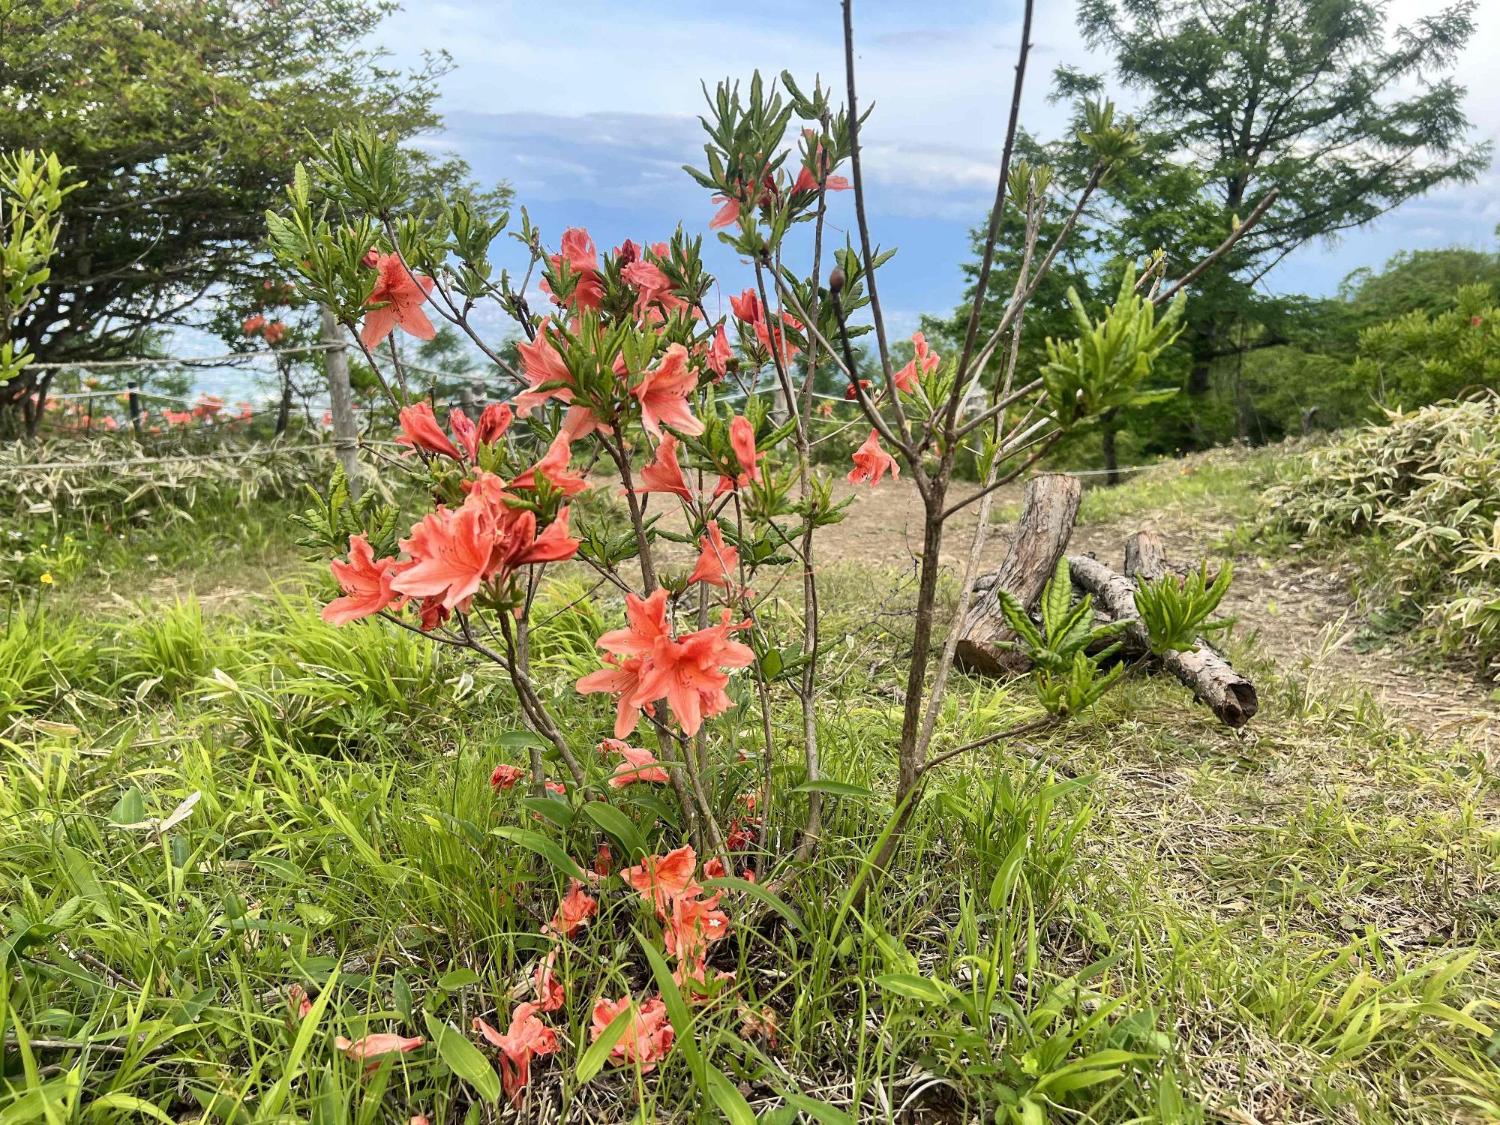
x: 542, y: 846
x: 677, y: 1009
x: 616, y: 824
x: 821, y: 1112
x: 463, y: 1058
x: 1057, y: 597
x: 726, y: 1096
x: 129, y: 809
x: 552, y: 808
x: 835, y: 789
x: 594, y: 1058
x: 522, y: 740
x: 456, y: 979
x: 915, y: 988
x: 755, y: 890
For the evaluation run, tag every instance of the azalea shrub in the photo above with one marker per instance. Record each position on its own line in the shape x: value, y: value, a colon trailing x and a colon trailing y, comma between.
x: 630, y: 385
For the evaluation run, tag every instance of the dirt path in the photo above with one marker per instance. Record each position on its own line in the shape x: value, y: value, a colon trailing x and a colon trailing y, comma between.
x: 1299, y: 614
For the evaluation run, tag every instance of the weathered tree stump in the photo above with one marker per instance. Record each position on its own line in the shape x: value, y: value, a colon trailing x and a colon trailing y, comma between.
x: 1048, y: 509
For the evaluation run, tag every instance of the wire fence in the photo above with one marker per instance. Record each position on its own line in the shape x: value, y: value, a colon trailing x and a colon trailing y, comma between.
x: 477, y: 378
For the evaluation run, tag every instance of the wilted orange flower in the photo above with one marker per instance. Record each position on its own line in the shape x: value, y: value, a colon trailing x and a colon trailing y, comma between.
x: 526, y: 1038
x: 576, y: 908
x: 506, y: 776
x: 647, y: 1038
x: 372, y: 1048
x: 639, y: 765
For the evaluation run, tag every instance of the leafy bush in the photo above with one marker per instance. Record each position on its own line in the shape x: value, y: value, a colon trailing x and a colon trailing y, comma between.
x: 113, y: 480
x: 1427, y: 486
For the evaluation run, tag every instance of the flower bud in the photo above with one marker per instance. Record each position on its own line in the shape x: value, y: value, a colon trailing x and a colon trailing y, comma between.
x: 836, y: 281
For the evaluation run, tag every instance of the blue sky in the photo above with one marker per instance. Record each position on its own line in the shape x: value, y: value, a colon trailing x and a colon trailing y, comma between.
x: 589, y: 110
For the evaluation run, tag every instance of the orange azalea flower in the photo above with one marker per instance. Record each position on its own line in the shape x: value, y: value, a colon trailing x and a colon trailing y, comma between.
x: 652, y: 286
x: 549, y: 990
x: 506, y: 776
x: 372, y: 1048
x: 396, y: 302
x: 746, y: 307
x: 871, y: 462
x: 526, y: 1038
x: 554, y: 467
x: 694, y: 924
x: 742, y: 441
x: 253, y: 324
x: 727, y: 214
x: 576, y: 908
x: 639, y: 765
x: 663, y: 879
x: 450, y: 552
x: 807, y: 178
x: 493, y: 422
x: 274, y: 332
x: 664, y: 474
x: 774, y: 339
x: 663, y: 392
x: 925, y: 362
x: 646, y: 623
x: 555, y: 787
x: 297, y: 997
x: 690, y: 676
x: 453, y: 553
x: 420, y: 430
x: 619, y: 678
x: 648, y: 1036
x: 583, y: 265
x: 719, y: 353
x: 365, y: 581
x: 717, y: 563
x: 546, y: 372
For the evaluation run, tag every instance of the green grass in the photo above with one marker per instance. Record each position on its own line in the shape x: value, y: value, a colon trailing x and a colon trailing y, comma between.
x: 1225, y: 484
x: 1144, y: 918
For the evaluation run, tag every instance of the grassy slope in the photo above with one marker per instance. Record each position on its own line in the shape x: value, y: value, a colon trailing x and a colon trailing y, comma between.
x: 1180, y: 923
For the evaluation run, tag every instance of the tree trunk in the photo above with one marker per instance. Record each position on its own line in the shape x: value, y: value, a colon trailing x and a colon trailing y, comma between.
x: 1048, y: 510
x: 1111, y: 455
x: 1214, y: 681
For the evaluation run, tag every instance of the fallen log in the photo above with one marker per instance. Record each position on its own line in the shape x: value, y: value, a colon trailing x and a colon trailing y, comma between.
x: 1048, y: 509
x: 1212, y: 678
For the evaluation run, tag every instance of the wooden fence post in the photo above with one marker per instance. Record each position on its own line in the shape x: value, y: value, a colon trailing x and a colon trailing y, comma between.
x: 341, y: 400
